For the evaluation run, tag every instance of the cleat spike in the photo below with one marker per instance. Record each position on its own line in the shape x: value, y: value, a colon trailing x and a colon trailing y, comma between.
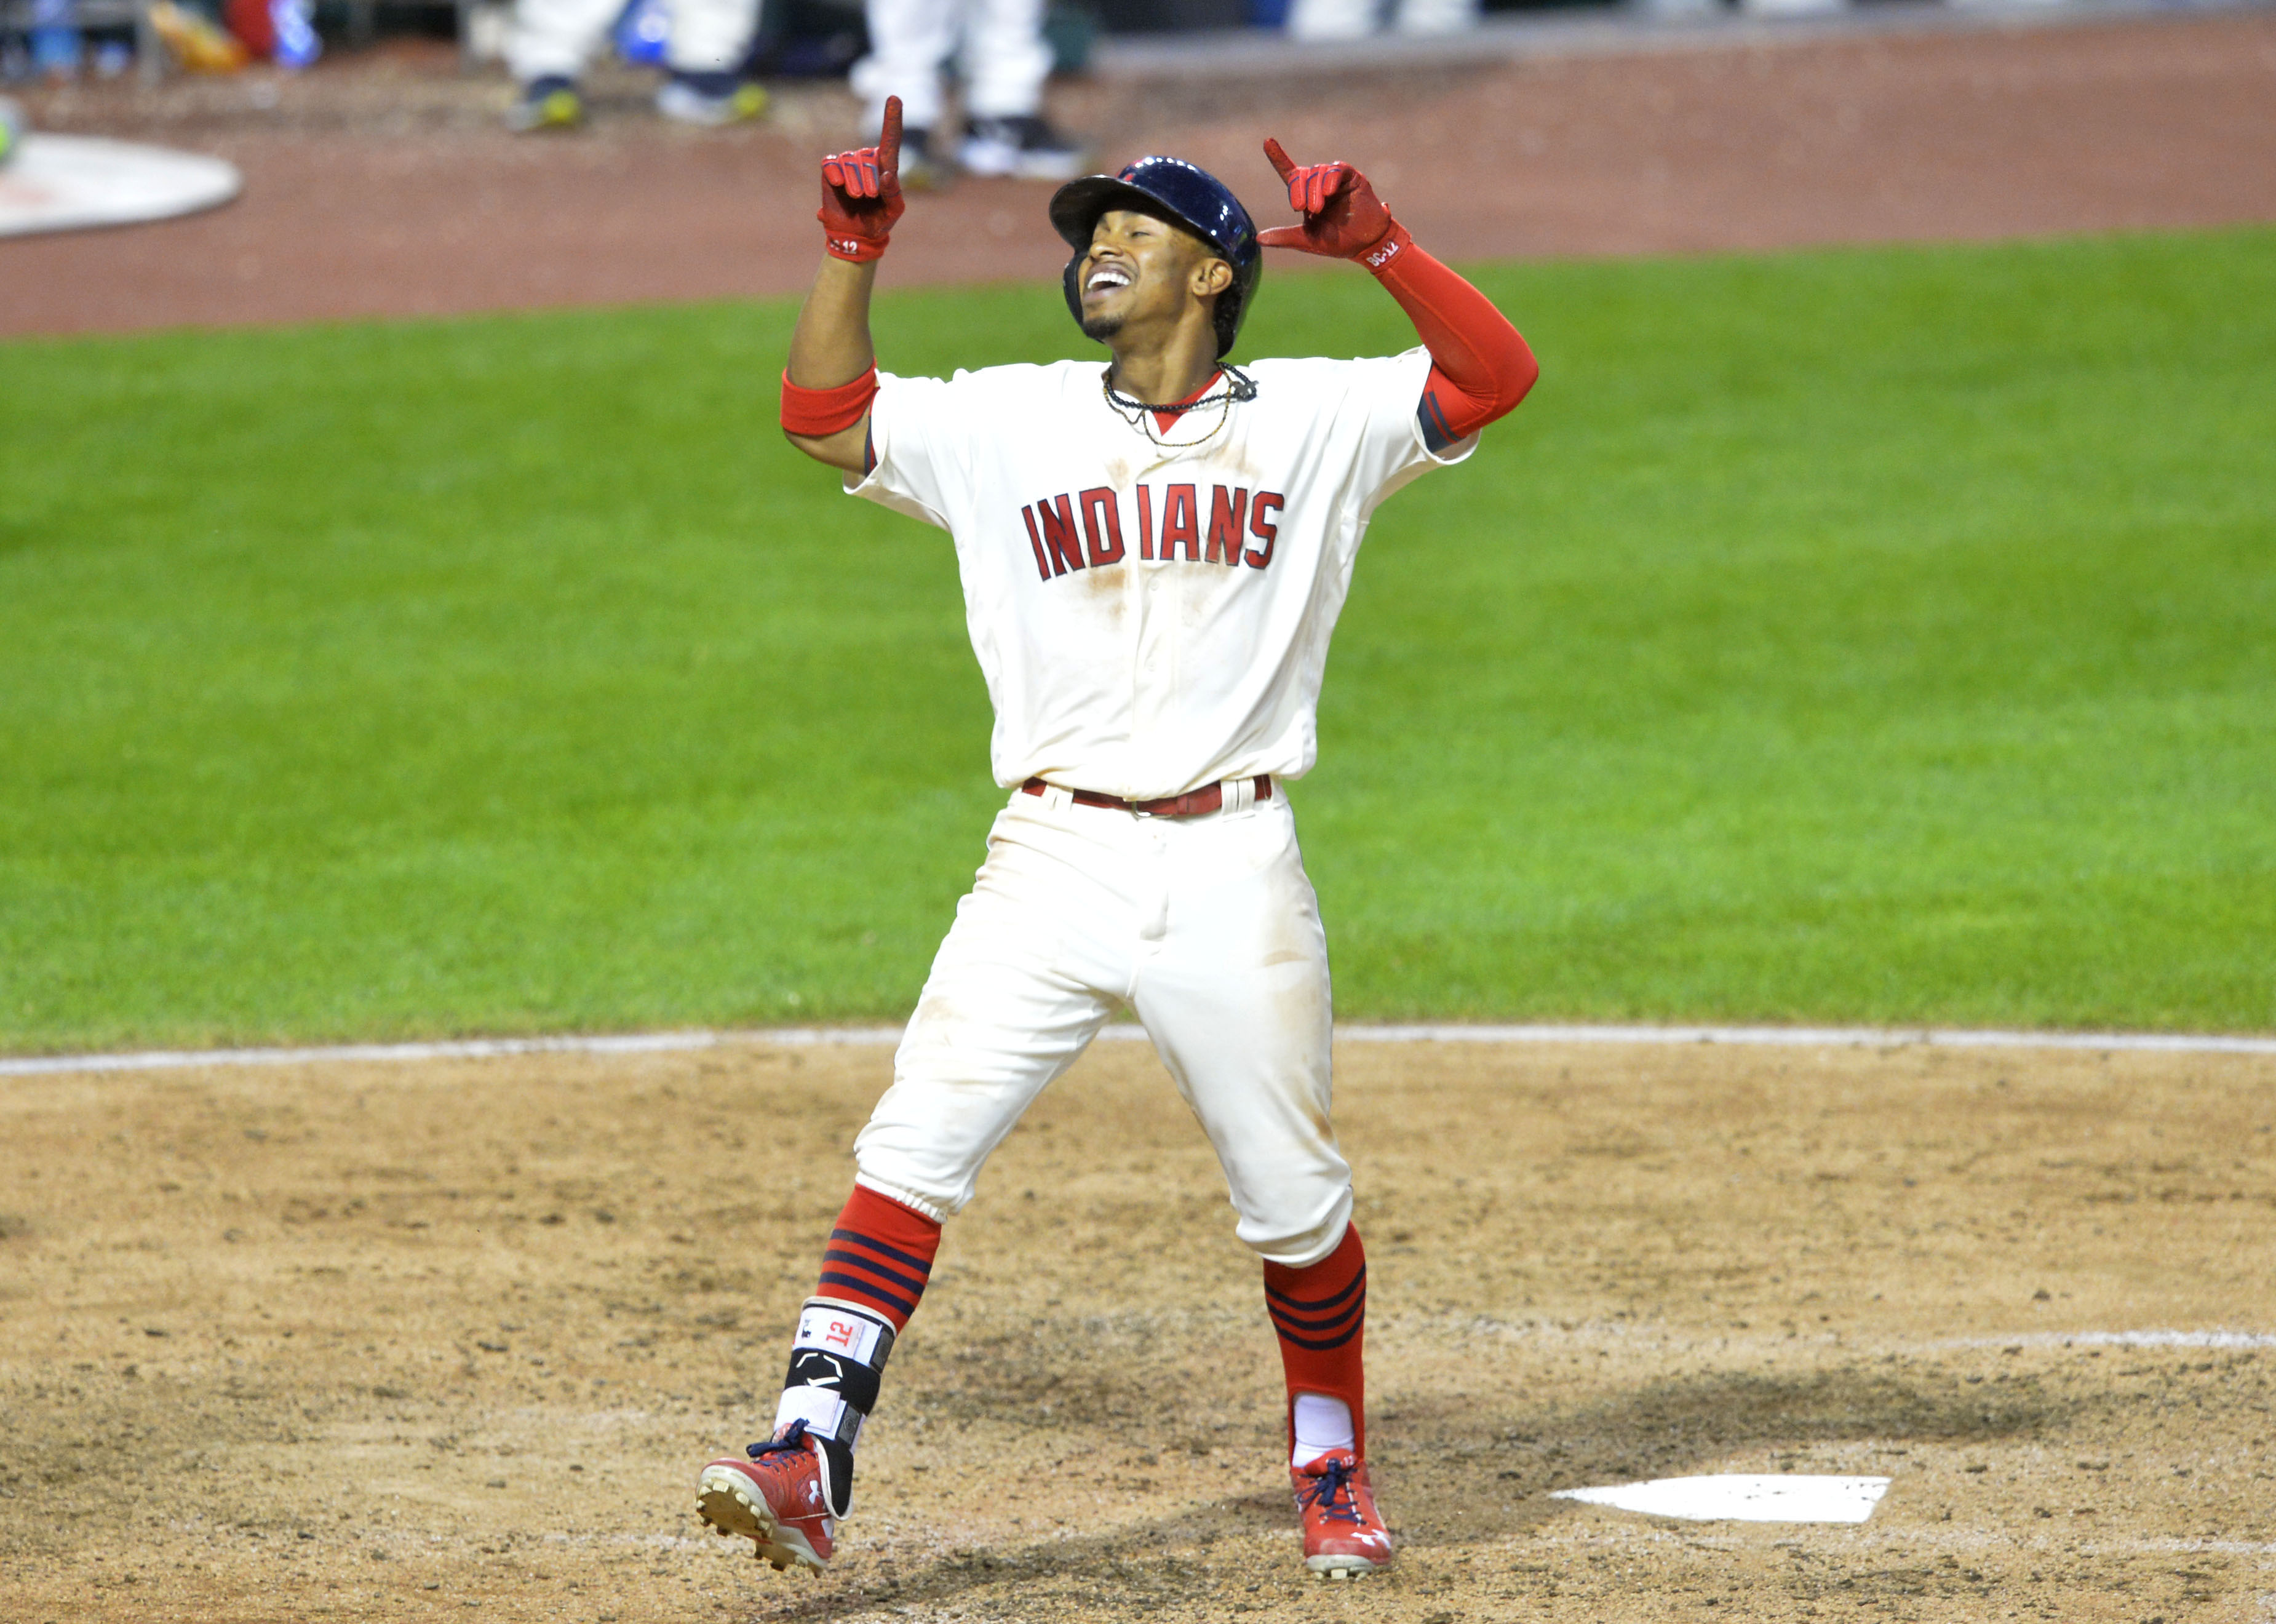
x: 774, y: 1501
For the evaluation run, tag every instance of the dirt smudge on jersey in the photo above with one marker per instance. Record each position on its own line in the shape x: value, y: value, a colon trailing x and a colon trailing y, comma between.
x: 1105, y: 588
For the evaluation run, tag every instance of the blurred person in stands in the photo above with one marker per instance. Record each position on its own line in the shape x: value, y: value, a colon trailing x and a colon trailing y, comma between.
x: 552, y: 40
x: 1005, y: 63
x: 1355, y: 20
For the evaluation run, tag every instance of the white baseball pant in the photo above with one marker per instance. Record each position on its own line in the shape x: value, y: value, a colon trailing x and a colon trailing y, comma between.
x: 555, y: 38
x: 1207, y: 929
x: 1355, y: 20
x: 1005, y: 60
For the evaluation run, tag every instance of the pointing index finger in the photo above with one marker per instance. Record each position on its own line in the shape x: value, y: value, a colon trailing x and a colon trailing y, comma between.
x: 889, y: 139
x: 1281, y: 160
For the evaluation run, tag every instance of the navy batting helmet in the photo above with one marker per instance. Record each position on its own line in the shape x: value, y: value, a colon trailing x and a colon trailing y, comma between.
x: 1190, y: 196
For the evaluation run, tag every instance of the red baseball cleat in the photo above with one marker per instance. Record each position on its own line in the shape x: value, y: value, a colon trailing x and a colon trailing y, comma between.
x: 774, y: 1498
x: 1344, y: 1538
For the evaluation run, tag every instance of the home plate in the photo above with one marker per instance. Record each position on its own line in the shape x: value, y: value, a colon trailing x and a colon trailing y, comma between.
x: 1739, y: 1496
x: 59, y: 182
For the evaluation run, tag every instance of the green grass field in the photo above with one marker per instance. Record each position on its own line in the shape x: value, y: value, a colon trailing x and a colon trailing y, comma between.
x: 1882, y: 636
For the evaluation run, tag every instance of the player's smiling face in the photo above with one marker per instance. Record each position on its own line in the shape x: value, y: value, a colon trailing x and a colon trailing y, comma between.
x: 1144, y: 272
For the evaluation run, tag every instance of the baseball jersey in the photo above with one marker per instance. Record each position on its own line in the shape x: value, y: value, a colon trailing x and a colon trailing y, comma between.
x: 1151, y: 609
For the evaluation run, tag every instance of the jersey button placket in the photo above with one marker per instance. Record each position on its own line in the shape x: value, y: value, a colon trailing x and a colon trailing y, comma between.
x: 1139, y: 598
x: 1148, y: 713
x: 1137, y: 593
x: 1145, y: 651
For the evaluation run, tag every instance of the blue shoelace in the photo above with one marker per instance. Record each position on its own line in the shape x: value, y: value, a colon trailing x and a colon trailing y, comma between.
x: 793, y: 1437
x: 1331, y: 1491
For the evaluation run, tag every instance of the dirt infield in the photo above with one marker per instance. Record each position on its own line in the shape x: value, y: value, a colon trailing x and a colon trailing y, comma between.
x: 423, y: 1341
x: 384, y: 186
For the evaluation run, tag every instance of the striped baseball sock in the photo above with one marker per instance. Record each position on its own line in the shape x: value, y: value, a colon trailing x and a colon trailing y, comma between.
x: 1320, y: 1314
x: 873, y: 1273
x: 880, y: 1257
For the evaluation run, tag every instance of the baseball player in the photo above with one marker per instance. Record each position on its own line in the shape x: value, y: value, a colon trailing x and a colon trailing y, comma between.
x: 1355, y: 20
x: 703, y: 82
x: 1153, y: 555
x: 1004, y: 60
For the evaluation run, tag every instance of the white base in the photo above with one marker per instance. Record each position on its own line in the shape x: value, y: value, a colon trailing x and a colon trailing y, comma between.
x: 1734, y: 1496
x: 62, y: 183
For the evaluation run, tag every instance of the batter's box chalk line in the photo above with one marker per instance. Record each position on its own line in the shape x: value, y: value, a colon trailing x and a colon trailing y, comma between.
x: 668, y: 1042
x: 2122, y: 1339
x: 1742, y: 1497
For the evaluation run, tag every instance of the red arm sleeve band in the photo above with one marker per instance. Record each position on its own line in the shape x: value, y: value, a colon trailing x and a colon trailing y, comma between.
x: 819, y: 413
x: 1481, y: 366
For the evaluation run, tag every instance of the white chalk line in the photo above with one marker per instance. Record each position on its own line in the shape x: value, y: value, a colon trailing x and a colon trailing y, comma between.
x: 1651, y: 1337
x: 1817, y: 1037
x: 2122, y: 1338
x: 451, y: 1049
x: 1437, y: 1326
x: 669, y: 1043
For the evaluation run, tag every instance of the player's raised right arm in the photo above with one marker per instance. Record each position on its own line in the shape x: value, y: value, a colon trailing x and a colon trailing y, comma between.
x: 832, y: 375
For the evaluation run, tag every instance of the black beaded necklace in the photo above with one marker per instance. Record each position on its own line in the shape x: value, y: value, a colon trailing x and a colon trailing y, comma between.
x: 1236, y: 387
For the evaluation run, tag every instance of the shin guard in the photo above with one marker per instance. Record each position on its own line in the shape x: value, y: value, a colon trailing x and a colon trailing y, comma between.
x: 835, y: 1363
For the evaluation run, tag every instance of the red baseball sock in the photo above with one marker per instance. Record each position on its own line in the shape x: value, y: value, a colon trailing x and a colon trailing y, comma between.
x: 880, y: 1255
x: 1320, y: 1314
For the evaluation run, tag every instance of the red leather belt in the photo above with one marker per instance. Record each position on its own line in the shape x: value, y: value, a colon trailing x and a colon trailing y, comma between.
x: 1193, y: 803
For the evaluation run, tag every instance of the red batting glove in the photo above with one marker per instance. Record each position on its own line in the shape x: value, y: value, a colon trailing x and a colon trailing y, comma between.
x: 861, y: 194
x: 1343, y: 217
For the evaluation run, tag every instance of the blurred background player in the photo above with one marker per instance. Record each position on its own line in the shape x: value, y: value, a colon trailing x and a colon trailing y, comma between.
x: 552, y: 40
x: 1004, y: 61
x: 1354, y: 20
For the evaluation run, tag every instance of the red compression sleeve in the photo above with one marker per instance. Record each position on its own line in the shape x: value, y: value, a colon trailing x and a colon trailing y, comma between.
x: 817, y: 413
x: 1481, y: 366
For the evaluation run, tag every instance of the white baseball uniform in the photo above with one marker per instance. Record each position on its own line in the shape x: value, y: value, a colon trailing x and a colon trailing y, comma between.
x: 554, y: 39
x: 1002, y: 59
x: 1355, y: 20
x: 1151, y: 611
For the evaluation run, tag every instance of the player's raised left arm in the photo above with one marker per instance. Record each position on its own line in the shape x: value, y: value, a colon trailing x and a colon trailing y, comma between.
x: 1480, y: 366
